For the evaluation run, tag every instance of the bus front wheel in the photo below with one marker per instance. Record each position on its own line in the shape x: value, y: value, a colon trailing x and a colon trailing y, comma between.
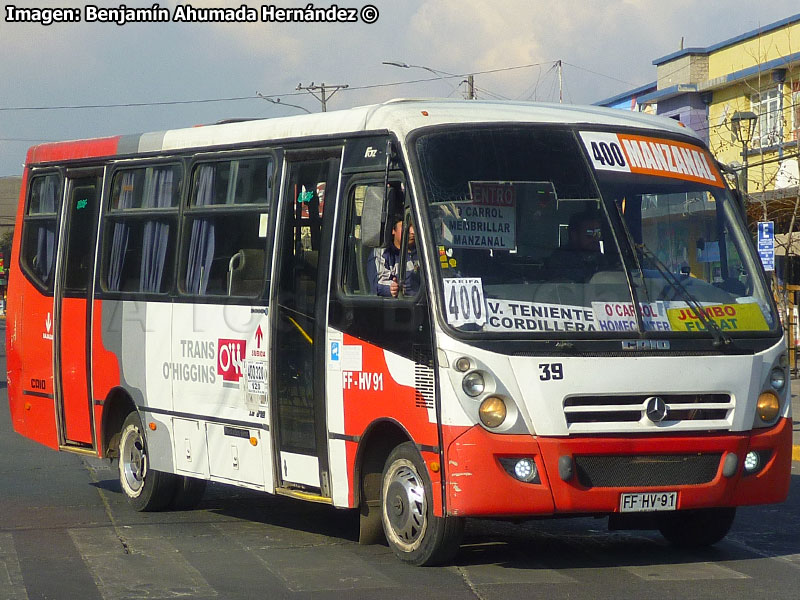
x: 415, y: 535
x: 145, y: 489
x: 696, y: 528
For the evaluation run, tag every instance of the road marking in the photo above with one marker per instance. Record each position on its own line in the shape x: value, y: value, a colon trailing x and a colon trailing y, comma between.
x: 533, y: 573
x: 684, y: 572
x: 288, y: 555
x: 796, y: 452
x: 12, y: 586
x: 150, y: 567
x: 334, y: 568
x: 789, y: 559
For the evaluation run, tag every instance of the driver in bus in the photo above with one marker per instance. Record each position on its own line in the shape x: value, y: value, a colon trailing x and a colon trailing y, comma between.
x: 580, y: 258
x: 388, y: 263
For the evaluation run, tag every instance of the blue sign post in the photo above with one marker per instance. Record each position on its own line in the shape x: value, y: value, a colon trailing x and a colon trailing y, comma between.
x: 766, y: 244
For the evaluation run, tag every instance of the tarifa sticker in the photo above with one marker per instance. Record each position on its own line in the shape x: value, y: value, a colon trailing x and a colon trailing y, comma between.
x: 736, y: 317
x: 464, y: 301
x: 649, y: 156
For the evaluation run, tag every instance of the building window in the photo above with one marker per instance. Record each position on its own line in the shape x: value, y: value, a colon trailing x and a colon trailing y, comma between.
x: 767, y: 106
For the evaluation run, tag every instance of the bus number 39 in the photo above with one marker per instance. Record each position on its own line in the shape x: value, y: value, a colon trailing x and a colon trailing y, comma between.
x: 549, y: 371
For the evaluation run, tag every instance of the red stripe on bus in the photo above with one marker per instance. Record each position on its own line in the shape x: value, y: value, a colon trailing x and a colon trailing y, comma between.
x: 73, y: 150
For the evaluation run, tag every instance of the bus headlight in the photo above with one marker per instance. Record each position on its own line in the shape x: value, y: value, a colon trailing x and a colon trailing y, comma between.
x: 473, y: 384
x: 492, y: 412
x: 777, y: 379
x: 768, y: 407
x: 463, y: 364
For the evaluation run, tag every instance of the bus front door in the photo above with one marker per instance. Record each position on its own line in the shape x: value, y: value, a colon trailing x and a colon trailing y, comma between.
x: 298, y: 319
x: 73, y: 308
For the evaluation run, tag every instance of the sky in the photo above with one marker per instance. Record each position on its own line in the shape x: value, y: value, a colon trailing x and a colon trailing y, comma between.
x: 93, y: 79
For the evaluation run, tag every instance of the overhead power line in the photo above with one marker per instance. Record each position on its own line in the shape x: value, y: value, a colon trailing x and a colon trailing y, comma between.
x: 255, y: 97
x: 127, y: 104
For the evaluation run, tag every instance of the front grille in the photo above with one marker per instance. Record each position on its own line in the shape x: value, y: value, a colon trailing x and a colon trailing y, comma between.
x: 588, y: 413
x: 647, y: 470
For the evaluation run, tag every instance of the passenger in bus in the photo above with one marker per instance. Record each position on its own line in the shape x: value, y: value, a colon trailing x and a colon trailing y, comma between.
x: 388, y: 263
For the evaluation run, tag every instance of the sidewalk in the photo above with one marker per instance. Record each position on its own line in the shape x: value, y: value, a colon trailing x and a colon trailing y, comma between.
x: 796, y: 419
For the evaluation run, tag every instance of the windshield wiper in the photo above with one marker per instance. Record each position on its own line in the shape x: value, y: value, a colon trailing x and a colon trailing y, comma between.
x: 720, y: 338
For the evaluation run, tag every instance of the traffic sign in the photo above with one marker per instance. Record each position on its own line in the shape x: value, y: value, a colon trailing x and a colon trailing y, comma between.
x: 766, y: 244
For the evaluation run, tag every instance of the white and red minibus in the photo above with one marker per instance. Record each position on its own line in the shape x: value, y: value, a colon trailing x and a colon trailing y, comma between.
x: 576, y: 322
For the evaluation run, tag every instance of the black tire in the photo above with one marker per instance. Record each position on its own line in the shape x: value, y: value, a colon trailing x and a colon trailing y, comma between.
x: 188, y: 493
x: 415, y: 535
x: 145, y: 489
x: 696, y: 528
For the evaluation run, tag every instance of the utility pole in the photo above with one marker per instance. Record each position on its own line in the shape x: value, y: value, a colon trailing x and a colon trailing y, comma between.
x: 560, y: 82
x: 470, y: 87
x: 323, y: 90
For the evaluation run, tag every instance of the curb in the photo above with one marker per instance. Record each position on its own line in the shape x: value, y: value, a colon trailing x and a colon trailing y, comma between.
x: 796, y: 453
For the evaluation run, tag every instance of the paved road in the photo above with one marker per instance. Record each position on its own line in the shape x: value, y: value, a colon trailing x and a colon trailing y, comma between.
x: 66, y: 532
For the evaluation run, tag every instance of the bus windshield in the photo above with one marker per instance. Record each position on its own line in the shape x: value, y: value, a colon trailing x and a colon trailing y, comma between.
x: 532, y: 239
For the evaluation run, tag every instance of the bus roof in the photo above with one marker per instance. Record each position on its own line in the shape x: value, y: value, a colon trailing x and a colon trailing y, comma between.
x: 401, y: 116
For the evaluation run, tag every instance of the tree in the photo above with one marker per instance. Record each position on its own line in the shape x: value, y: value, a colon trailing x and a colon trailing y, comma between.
x: 6, y: 239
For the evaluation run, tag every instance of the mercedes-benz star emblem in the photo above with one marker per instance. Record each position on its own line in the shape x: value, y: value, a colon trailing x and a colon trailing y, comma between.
x: 656, y: 409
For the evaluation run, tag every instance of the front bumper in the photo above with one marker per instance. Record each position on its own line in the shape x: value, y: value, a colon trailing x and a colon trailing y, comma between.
x: 478, y: 485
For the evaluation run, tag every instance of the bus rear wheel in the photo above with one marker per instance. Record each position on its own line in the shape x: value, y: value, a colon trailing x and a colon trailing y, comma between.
x: 414, y: 534
x: 145, y: 489
x: 696, y: 528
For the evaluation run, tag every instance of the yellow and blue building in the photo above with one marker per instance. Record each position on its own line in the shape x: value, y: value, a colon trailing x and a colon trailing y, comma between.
x: 756, y: 72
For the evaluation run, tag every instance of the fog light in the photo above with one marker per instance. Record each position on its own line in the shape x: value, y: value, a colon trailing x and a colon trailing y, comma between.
x: 473, y: 384
x: 524, y: 469
x: 768, y: 407
x: 492, y: 412
x: 777, y: 379
x: 752, y: 462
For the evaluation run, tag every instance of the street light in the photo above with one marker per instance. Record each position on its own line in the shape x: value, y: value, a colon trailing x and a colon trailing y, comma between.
x: 439, y: 74
x: 743, y: 125
x: 278, y: 101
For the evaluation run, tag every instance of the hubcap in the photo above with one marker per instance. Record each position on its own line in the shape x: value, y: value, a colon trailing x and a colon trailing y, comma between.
x: 405, y: 506
x: 133, y: 461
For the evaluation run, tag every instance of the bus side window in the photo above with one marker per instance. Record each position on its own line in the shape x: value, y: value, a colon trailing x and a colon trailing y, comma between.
x: 40, y: 230
x: 141, y: 229
x: 364, y: 247
x: 225, y: 228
